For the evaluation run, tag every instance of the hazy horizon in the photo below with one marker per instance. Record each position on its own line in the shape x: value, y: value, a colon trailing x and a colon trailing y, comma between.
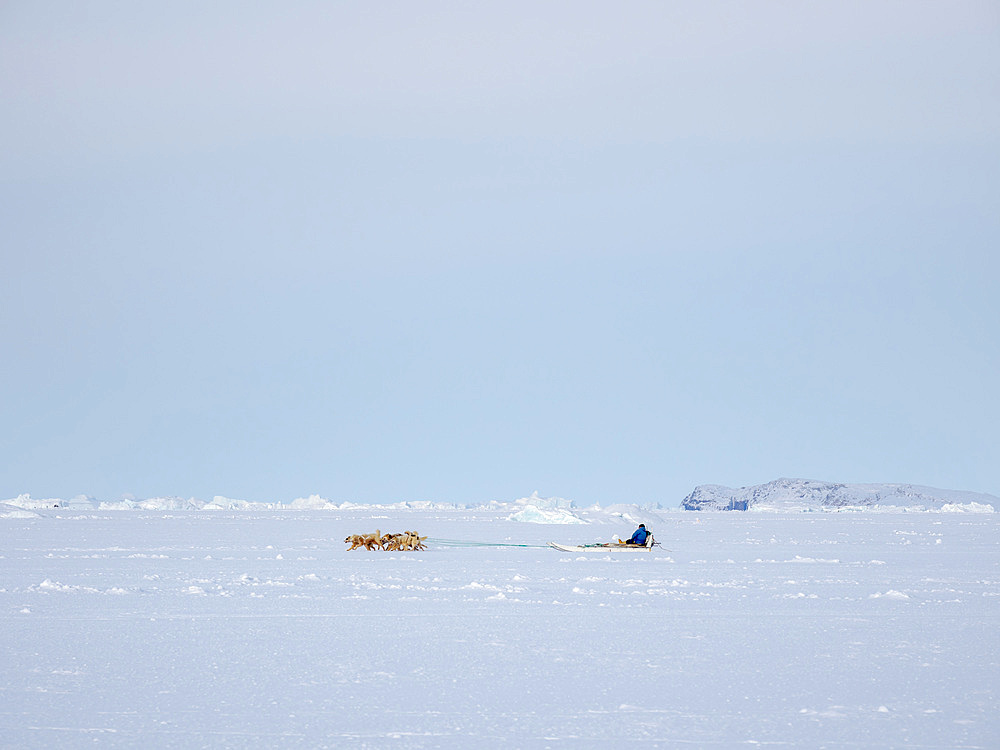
x: 461, y: 253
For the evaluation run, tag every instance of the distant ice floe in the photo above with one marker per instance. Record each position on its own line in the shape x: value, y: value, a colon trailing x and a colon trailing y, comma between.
x: 227, y: 503
x: 628, y: 513
x: 532, y: 514
x: 890, y: 594
x: 27, y: 502
x: 781, y: 495
x: 313, y: 502
x: 967, y: 508
x: 536, y: 501
x: 154, y: 503
x: 537, y: 509
x: 7, y: 510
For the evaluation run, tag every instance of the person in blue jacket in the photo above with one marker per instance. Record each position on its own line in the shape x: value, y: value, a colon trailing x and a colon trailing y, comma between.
x: 639, y: 537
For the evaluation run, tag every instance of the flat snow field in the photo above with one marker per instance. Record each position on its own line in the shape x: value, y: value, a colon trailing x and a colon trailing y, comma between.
x: 259, y: 629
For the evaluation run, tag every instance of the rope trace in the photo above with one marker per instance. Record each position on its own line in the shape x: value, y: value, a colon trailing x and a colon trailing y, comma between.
x: 469, y: 543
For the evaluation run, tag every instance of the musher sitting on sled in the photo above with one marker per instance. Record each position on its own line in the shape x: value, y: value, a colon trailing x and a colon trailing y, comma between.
x: 639, y: 537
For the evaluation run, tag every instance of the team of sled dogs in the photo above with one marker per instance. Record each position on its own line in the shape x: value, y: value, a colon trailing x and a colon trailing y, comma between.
x: 408, y: 540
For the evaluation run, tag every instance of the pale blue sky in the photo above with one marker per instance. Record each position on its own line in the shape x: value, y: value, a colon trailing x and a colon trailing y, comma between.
x: 464, y: 251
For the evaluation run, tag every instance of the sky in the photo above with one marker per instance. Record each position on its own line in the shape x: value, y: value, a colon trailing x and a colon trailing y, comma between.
x: 466, y: 251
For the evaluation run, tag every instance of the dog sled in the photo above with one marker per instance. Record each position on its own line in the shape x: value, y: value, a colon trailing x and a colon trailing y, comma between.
x: 616, y: 545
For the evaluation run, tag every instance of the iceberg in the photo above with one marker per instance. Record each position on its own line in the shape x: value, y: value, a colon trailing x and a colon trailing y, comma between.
x: 533, y: 514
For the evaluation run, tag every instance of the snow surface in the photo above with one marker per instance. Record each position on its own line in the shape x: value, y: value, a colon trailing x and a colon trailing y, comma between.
x: 248, y: 629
